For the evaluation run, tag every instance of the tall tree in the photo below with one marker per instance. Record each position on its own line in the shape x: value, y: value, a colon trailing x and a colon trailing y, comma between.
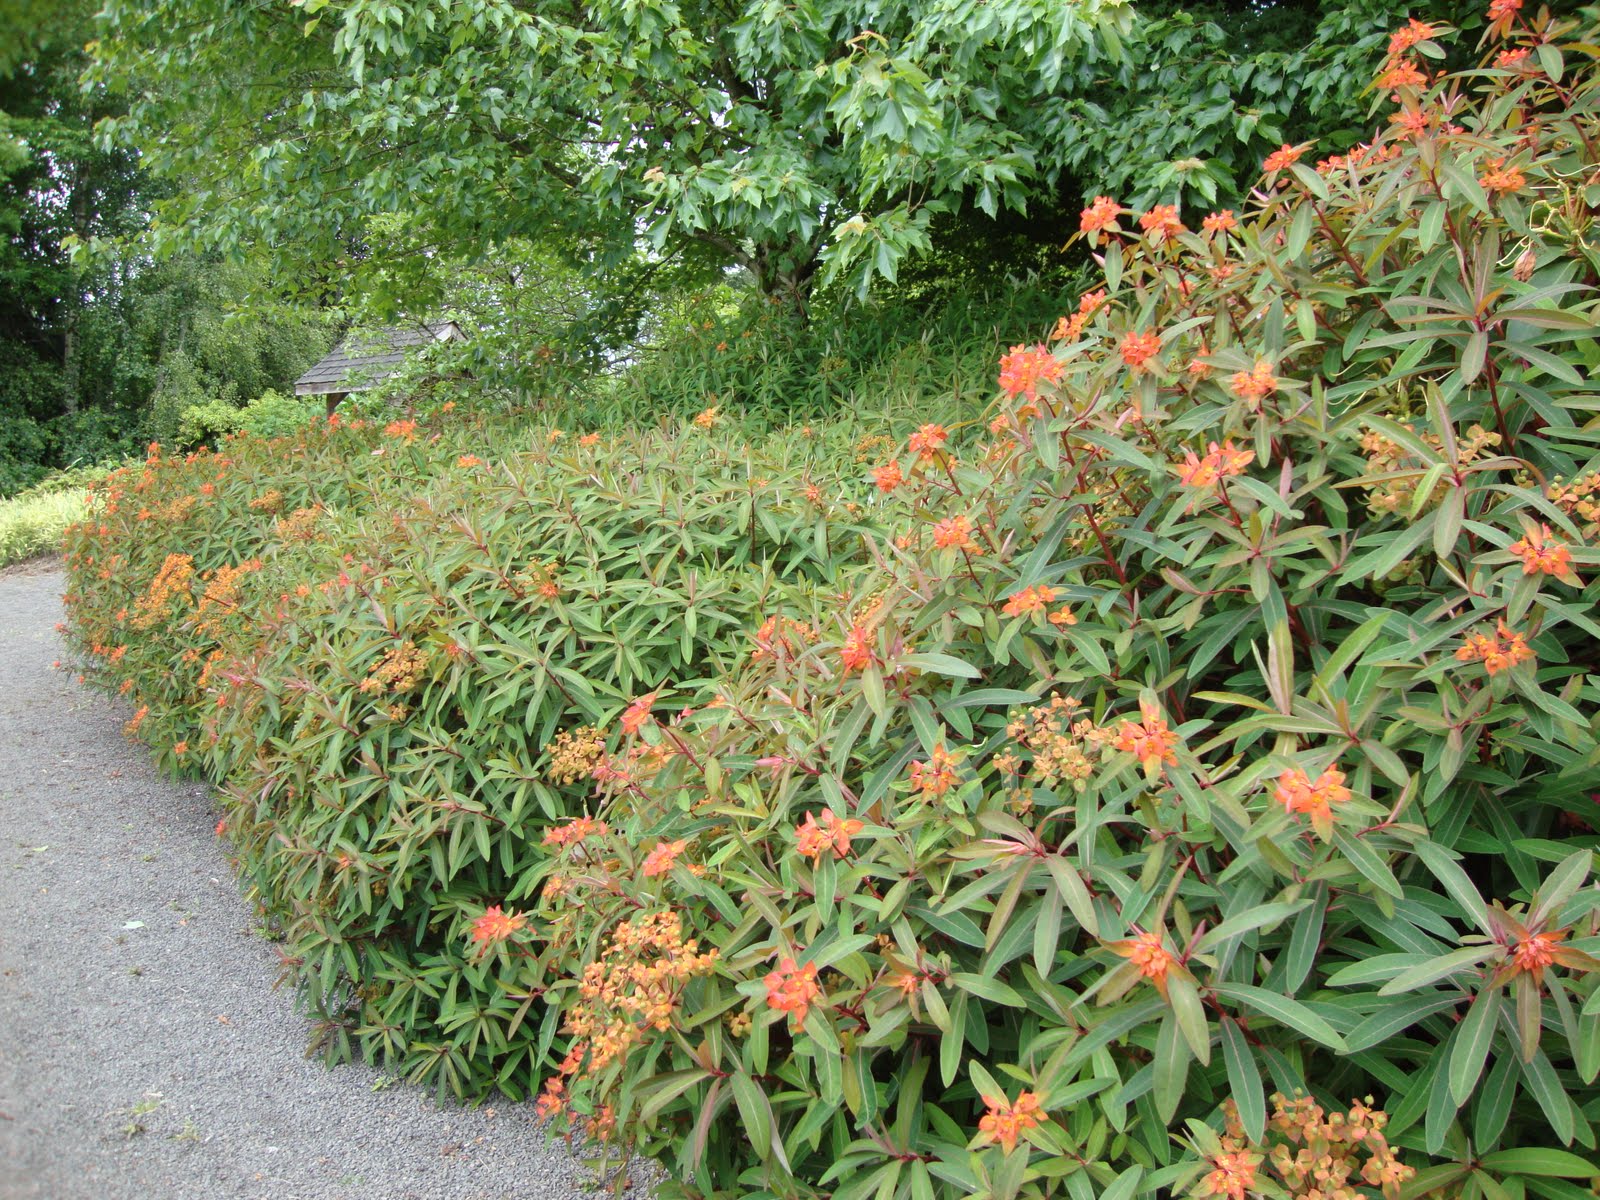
x: 794, y: 138
x: 804, y: 140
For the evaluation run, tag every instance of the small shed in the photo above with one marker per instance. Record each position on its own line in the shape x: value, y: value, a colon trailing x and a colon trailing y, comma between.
x: 361, y: 360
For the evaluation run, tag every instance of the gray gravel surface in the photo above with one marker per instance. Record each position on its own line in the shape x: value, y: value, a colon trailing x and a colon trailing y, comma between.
x: 143, y: 1051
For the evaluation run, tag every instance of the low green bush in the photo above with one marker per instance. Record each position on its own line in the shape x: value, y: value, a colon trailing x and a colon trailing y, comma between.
x: 33, y: 522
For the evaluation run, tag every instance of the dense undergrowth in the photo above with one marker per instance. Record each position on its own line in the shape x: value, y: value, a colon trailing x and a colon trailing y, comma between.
x: 1180, y: 783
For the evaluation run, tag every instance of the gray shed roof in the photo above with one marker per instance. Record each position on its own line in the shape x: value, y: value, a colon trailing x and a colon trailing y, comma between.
x: 361, y: 360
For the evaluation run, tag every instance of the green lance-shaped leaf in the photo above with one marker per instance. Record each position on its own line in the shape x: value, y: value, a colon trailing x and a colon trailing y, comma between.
x: 1244, y: 1080
x: 1544, y: 1161
x: 1473, y: 1038
x: 1286, y: 1011
x: 1448, y: 872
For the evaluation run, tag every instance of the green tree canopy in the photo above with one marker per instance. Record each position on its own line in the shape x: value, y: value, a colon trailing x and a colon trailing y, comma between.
x: 804, y: 140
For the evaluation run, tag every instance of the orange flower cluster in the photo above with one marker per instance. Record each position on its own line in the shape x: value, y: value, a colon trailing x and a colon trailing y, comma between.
x: 1220, y: 222
x: 574, y: 832
x: 1409, y: 35
x: 405, y: 430
x: 1148, y: 953
x: 1543, y: 554
x: 637, y: 715
x: 1100, y: 218
x: 1161, y: 224
x: 1299, y: 793
x: 172, y: 582
x: 496, y: 926
x: 634, y: 986
x: 793, y: 989
x: 221, y: 596
x: 857, y: 654
x: 927, y: 441
x: 1497, y: 177
x: 552, y: 1101
x: 1148, y: 739
x: 1232, y: 1175
x: 1580, y: 500
x: 400, y: 669
x: 268, y: 502
x: 300, y: 525
x: 1007, y: 1121
x: 540, y: 578
x: 812, y: 837
x: 1316, y: 1155
x: 1537, y: 951
x: 954, y: 533
x: 1502, y: 14
x: 1220, y: 462
x: 1500, y: 651
x: 936, y: 776
x: 782, y: 638
x: 1403, y: 72
x: 1064, y: 743
x: 1026, y: 367
x: 707, y: 418
x: 1282, y: 158
x: 887, y: 477
x: 1031, y: 600
x: 1385, y: 457
x: 1139, y: 347
x: 575, y: 754
x: 1071, y: 328
x: 662, y: 858
x: 1256, y: 384
x: 135, y: 721
x: 469, y: 461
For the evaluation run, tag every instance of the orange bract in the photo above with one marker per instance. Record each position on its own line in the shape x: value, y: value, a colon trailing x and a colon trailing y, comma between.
x: 1148, y: 739
x: 1537, y: 951
x: 1006, y: 1122
x: 887, y: 477
x: 937, y: 775
x: 1256, y: 384
x: 637, y: 715
x: 1139, y: 348
x: 1100, y: 216
x: 1232, y: 1175
x: 1298, y: 793
x: 856, y: 653
x: 1284, y: 156
x: 1030, y: 600
x: 954, y: 533
x: 1543, y: 554
x: 928, y: 441
x: 495, y: 925
x: 1149, y: 955
x: 793, y: 989
x: 832, y: 832
x: 1220, y: 462
x: 662, y: 859
x: 1025, y: 368
x: 1161, y: 224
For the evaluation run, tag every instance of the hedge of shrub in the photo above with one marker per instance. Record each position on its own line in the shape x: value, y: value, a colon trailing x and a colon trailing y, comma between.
x: 391, y: 651
x: 1183, y: 786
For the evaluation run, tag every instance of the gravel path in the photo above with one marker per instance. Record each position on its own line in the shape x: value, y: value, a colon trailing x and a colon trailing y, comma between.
x: 144, y: 1054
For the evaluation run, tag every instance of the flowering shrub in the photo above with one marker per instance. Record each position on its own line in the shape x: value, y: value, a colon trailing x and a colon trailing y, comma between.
x: 394, y: 658
x: 1222, y: 725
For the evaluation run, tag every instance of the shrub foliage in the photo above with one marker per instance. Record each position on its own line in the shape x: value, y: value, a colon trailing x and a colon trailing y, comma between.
x: 1181, y: 787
